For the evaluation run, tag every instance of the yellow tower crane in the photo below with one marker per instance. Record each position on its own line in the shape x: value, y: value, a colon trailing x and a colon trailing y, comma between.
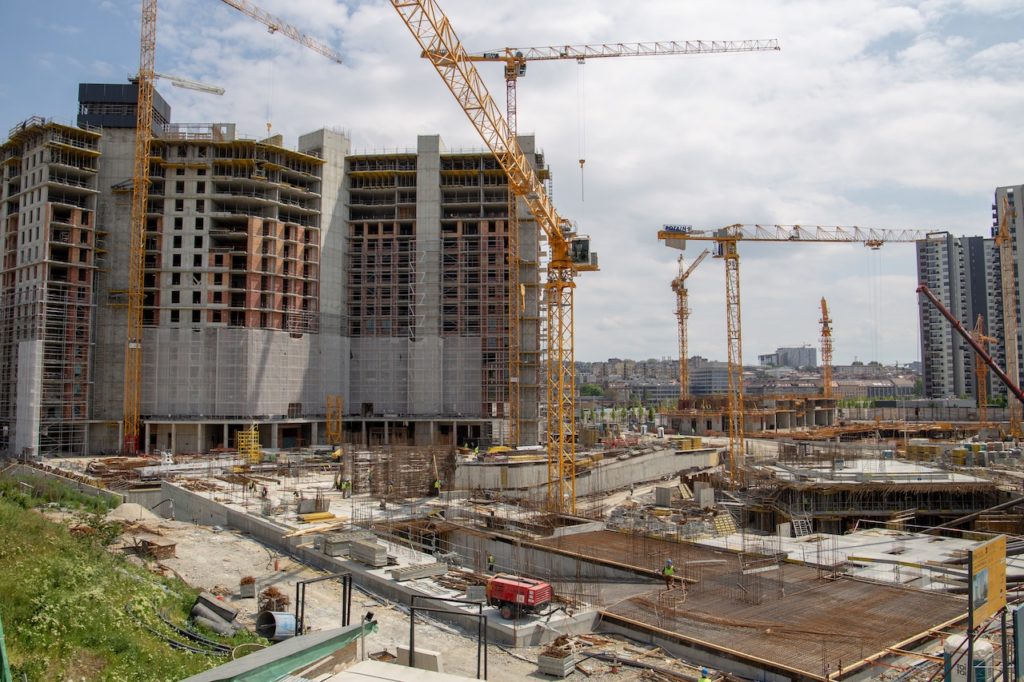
x: 136, y: 257
x: 570, y: 252
x: 274, y: 25
x: 140, y: 193
x: 826, y: 350
x: 515, y: 60
x: 1004, y: 241
x: 981, y: 369
x: 683, y: 314
x: 727, y: 240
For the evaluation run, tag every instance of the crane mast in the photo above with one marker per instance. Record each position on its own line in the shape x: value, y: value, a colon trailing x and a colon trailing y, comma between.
x: 826, y: 350
x: 727, y: 241
x: 683, y: 313
x: 981, y: 369
x: 433, y: 31
x: 137, y: 235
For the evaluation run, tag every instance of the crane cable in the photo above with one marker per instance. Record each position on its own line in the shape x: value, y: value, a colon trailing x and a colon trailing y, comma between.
x: 581, y: 129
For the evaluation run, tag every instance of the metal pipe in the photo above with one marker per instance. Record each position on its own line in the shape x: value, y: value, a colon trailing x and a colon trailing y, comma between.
x: 978, y: 348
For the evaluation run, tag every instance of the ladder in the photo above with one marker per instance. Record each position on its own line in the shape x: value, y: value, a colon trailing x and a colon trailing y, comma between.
x: 801, y: 527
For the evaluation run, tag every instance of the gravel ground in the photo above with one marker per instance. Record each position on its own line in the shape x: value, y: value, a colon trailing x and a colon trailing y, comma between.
x: 215, y: 560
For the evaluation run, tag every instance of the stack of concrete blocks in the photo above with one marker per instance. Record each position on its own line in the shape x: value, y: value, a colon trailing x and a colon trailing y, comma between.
x: 368, y: 552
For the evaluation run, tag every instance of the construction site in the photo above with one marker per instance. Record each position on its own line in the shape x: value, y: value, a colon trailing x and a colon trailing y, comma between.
x: 362, y: 366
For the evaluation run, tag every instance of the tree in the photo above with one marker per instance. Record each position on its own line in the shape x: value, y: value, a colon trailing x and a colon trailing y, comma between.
x: 592, y: 390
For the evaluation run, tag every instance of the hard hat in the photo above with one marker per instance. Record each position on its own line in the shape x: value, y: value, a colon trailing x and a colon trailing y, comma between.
x: 704, y: 672
x: 668, y: 561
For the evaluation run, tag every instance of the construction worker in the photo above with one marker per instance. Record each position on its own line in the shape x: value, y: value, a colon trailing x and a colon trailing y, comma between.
x: 437, y: 487
x: 669, y: 572
x: 704, y: 675
x: 490, y: 563
x: 346, y: 488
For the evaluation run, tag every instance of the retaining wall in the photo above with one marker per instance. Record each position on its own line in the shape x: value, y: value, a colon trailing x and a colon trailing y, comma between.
x: 24, y: 471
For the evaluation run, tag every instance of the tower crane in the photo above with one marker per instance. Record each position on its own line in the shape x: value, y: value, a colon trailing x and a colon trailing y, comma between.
x: 179, y: 82
x: 140, y: 197
x: 1009, y: 286
x: 515, y: 60
x: 826, y: 350
x: 570, y: 252
x: 274, y: 25
x: 981, y: 369
x: 727, y: 241
x: 683, y: 313
x: 140, y: 193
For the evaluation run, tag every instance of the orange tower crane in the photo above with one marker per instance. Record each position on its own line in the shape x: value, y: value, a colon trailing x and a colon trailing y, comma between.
x: 683, y: 314
x: 727, y: 240
x: 570, y: 252
x: 981, y: 369
x: 1009, y: 288
x: 140, y: 193
x: 826, y: 350
x: 515, y: 60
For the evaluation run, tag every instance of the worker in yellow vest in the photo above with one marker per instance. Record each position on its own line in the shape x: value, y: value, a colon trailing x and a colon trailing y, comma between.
x: 668, y: 572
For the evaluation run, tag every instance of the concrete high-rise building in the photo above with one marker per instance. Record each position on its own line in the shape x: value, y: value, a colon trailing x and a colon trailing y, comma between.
x: 963, y: 273
x: 273, y: 278
x: 427, y: 294
x: 50, y: 245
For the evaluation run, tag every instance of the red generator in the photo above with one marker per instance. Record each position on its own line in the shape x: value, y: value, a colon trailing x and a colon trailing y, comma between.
x: 514, y: 595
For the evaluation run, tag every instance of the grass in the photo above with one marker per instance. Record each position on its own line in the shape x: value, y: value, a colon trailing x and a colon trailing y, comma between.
x: 63, y: 601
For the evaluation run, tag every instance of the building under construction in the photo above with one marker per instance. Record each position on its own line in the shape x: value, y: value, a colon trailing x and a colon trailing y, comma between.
x: 274, y: 278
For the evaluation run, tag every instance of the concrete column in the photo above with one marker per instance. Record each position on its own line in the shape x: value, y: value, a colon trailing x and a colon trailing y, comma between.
x: 365, y: 441
x: 174, y: 438
x: 386, y: 432
x: 273, y: 435
x: 432, y: 432
x: 145, y: 436
x: 314, y: 434
x: 200, y: 446
x: 224, y: 442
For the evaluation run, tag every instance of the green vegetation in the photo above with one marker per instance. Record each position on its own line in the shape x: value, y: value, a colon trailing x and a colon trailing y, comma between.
x: 29, y: 492
x: 64, y: 598
x: 591, y: 390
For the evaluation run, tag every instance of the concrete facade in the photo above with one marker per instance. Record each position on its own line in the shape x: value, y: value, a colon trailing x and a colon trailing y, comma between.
x: 961, y: 272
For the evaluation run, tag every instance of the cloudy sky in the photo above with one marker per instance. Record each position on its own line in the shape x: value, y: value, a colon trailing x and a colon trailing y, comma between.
x: 878, y: 113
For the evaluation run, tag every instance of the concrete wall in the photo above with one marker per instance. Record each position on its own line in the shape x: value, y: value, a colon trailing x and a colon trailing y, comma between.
x: 610, y: 474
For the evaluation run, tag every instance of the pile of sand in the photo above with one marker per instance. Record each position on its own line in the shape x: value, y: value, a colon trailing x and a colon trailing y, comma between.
x: 129, y: 511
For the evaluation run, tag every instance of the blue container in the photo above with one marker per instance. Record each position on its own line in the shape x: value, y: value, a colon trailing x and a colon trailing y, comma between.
x: 275, y: 625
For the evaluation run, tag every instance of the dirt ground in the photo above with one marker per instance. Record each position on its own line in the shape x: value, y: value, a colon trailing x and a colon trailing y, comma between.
x: 215, y: 560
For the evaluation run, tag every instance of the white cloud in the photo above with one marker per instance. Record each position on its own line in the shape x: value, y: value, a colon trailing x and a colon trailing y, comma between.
x: 882, y: 113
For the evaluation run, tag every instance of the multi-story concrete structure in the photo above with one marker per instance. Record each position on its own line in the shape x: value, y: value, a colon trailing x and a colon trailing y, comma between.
x: 50, y: 242
x: 796, y: 357
x: 961, y: 271
x: 274, y: 277
x: 427, y: 296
